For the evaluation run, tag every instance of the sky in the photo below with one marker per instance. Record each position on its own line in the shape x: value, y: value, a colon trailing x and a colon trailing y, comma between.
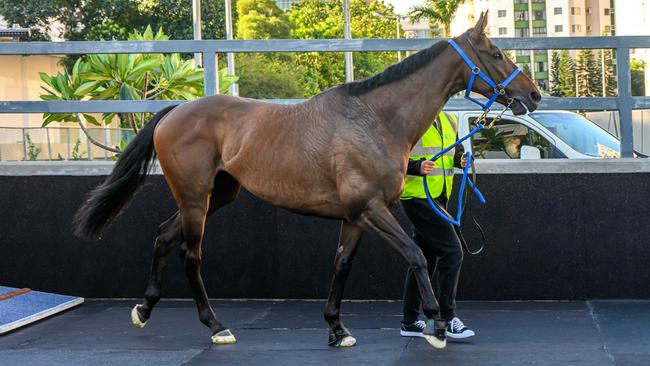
x: 402, y: 6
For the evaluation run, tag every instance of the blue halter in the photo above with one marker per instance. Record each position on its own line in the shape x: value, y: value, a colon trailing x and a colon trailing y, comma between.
x: 499, y: 89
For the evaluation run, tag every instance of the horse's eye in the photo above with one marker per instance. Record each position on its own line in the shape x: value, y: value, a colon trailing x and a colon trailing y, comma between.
x: 498, y: 55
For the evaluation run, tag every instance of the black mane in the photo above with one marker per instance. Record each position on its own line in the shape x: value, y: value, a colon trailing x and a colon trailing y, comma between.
x: 398, y: 71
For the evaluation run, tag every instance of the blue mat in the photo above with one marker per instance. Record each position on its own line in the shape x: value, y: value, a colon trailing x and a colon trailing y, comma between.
x: 32, y: 306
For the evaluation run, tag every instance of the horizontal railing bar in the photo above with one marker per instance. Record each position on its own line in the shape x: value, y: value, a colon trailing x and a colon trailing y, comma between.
x: 304, y: 45
x: 94, y: 106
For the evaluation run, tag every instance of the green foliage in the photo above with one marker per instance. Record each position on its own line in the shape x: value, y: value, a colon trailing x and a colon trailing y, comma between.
x: 554, y: 75
x: 33, y: 151
x: 126, y: 77
x: 610, y: 73
x: 106, y: 19
x: 107, y: 31
x: 637, y: 69
x: 74, y: 154
x: 567, y: 75
x: 261, y: 19
x: 265, y: 78
x: 436, y: 12
x: 35, y: 14
x: 324, y: 19
x: 588, y: 74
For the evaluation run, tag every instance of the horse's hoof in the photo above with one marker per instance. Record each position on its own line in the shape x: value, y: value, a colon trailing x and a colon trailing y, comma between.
x: 434, y: 333
x: 435, y: 341
x: 341, y: 338
x: 224, y: 337
x: 136, y: 318
x: 347, y: 341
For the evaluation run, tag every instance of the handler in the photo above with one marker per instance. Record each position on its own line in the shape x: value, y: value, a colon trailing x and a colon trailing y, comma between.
x: 436, y: 238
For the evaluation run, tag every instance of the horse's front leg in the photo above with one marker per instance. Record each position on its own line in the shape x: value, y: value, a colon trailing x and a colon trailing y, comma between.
x: 378, y: 219
x: 339, y: 336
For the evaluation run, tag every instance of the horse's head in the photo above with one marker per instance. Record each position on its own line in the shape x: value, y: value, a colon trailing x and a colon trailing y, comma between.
x: 489, y: 59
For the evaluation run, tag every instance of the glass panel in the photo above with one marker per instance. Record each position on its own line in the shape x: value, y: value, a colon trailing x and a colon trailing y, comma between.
x: 505, y: 139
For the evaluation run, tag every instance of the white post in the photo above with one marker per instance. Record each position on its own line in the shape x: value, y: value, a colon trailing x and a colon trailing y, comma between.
x: 399, y: 53
x: 347, y: 33
x: 196, y: 23
x: 234, y: 88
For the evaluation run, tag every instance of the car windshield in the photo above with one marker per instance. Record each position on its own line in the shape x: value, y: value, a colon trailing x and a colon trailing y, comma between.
x: 580, y: 133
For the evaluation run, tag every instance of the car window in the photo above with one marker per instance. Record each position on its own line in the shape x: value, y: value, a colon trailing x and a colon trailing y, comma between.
x: 505, y: 139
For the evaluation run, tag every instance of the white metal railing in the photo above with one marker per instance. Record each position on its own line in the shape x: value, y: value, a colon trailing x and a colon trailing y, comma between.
x: 624, y: 102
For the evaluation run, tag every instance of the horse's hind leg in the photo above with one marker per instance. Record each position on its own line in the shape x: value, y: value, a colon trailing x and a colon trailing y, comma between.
x: 339, y: 335
x: 169, y: 235
x: 193, y: 215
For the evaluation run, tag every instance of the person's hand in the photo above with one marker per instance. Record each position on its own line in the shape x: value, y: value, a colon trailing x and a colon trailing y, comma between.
x: 463, y: 161
x: 426, y: 167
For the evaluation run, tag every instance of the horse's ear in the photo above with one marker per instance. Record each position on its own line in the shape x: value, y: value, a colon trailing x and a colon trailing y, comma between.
x: 480, y: 26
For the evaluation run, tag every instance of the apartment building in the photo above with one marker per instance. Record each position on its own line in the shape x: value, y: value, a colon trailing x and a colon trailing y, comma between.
x: 634, y: 19
x: 538, y: 18
x: 285, y: 4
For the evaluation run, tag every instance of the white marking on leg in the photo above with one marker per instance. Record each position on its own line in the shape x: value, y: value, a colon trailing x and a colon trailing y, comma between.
x: 224, y: 337
x: 135, y: 318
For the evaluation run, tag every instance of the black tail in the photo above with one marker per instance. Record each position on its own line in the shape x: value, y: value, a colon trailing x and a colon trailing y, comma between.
x: 106, y: 201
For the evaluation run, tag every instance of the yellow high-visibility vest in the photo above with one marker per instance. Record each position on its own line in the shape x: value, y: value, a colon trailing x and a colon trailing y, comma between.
x: 430, y: 144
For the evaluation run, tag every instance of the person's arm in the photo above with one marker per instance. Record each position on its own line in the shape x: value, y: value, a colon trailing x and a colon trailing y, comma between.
x: 459, y: 157
x: 414, y: 166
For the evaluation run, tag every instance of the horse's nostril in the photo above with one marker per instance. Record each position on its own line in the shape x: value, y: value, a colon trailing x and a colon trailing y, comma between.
x: 535, y: 97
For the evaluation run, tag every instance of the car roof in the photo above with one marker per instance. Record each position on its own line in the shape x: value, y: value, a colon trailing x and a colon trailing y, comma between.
x: 509, y: 112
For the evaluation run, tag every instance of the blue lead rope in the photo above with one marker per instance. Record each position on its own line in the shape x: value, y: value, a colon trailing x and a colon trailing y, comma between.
x: 499, y: 89
x: 465, y: 180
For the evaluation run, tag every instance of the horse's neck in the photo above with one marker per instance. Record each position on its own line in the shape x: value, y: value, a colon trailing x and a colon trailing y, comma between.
x: 411, y: 104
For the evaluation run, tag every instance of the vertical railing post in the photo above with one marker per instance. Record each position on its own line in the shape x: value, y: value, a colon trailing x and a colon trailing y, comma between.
x: 24, y: 145
x: 624, y: 101
x: 49, y: 144
x: 67, y: 144
x: 209, y: 73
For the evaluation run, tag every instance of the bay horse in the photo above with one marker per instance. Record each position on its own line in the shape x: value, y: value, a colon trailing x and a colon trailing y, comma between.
x: 341, y: 154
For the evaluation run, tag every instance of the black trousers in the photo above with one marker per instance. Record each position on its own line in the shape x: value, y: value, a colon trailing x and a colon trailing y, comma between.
x: 442, y: 249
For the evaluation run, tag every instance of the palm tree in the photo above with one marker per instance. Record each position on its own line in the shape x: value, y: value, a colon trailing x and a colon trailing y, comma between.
x: 436, y: 11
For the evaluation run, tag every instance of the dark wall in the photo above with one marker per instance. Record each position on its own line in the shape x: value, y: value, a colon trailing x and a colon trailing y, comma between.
x: 552, y: 236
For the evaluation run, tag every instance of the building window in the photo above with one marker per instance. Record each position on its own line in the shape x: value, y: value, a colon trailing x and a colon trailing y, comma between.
x: 589, y: 10
x: 521, y: 15
x: 503, y: 31
x: 541, y: 66
x: 539, y: 14
x: 606, y: 11
x: 559, y: 28
x: 557, y: 11
x: 521, y: 1
x: 522, y: 32
x: 589, y: 28
x: 522, y: 52
x: 539, y: 31
x: 285, y: 4
x: 539, y: 1
x: 608, y: 29
x: 575, y: 10
x: 502, y: 13
x: 575, y: 28
x: 422, y: 33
